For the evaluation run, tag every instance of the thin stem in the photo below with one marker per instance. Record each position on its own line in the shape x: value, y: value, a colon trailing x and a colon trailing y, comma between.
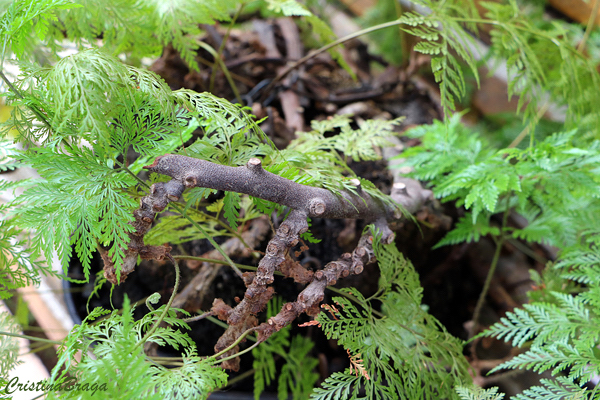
x: 20, y: 96
x: 223, y: 325
x: 490, y: 275
x: 486, y: 287
x: 166, y: 363
x: 235, y: 76
x: 213, y: 72
x: 43, y: 347
x: 528, y: 251
x: 158, y: 358
x: 527, y: 129
x: 236, y: 355
x: 223, y: 68
x: 32, y: 338
x: 402, y: 36
x: 323, y: 49
x: 210, y: 239
x: 240, y: 377
x: 198, y: 317
x: 167, y: 307
x: 590, y: 26
x: 215, y: 261
x: 217, y: 322
x: 234, y: 344
x: 224, y: 225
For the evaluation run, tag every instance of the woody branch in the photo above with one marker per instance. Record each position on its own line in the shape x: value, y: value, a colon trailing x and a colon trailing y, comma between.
x: 305, y: 201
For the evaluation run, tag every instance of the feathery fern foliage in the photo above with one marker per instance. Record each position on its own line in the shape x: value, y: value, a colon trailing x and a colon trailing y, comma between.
x: 541, y: 62
x: 400, y: 352
x: 9, y: 346
x: 477, y: 393
x: 126, y: 372
x: 553, y: 185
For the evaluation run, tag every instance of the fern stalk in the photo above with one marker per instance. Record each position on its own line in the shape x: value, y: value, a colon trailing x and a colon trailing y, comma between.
x: 213, y: 72
x: 210, y: 239
x: 167, y: 307
x: 236, y: 355
x: 488, y: 280
x: 233, y: 345
x: 20, y: 96
x: 32, y: 338
x: 590, y: 26
x: 215, y: 261
x: 529, y: 127
x: 219, y: 61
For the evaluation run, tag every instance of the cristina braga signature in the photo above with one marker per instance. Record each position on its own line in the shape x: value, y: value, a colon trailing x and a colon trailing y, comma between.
x: 68, y: 385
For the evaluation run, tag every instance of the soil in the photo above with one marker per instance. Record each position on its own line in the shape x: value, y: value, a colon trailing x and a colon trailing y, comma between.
x: 452, y: 276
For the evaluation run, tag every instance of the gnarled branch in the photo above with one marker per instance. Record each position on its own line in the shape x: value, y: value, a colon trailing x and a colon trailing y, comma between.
x: 305, y: 201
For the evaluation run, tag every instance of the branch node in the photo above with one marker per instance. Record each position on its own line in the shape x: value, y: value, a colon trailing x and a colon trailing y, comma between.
x: 254, y: 164
x: 284, y: 228
x: 397, y: 214
x: 389, y: 239
x: 272, y: 249
x: 401, y: 188
x: 358, y: 269
x: 317, y: 206
x: 190, y: 181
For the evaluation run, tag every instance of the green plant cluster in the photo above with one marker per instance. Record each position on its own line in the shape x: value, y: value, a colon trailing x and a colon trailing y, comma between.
x: 554, y: 186
x: 77, y: 118
x: 120, y: 364
x: 400, y: 352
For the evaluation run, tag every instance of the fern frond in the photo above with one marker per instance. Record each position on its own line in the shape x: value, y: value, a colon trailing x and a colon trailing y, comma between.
x: 559, y: 389
x: 466, y: 231
x: 394, y: 346
x: 9, y: 345
x: 23, y: 20
x: 120, y: 360
x: 532, y: 321
x: 580, y: 363
x: 477, y: 393
x: 79, y: 202
x: 338, y: 386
